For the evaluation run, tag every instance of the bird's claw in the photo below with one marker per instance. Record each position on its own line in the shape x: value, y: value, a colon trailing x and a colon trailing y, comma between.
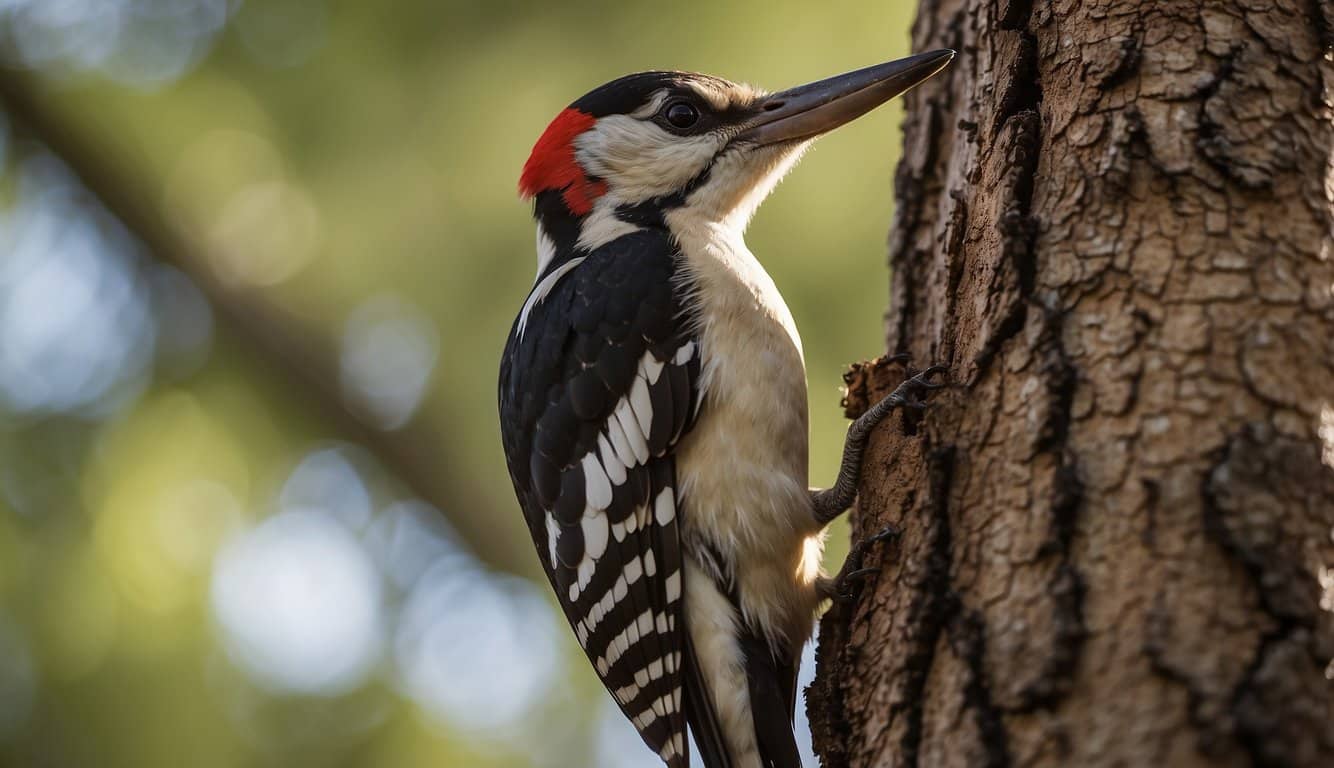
x: 922, y: 381
x: 923, y: 378
x: 852, y: 573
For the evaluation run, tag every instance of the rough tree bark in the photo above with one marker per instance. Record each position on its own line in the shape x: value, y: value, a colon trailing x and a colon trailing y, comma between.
x: 1114, y: 224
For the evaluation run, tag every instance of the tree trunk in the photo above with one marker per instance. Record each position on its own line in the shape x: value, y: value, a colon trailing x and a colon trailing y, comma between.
x: 1114, y: 225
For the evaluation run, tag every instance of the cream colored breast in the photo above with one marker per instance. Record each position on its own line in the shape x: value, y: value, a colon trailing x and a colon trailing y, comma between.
x: 742, y: 469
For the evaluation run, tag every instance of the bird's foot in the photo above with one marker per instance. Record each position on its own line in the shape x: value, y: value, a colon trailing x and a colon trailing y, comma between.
x: 831, y: 503
x: 845, y: 587
x: 908, y: 393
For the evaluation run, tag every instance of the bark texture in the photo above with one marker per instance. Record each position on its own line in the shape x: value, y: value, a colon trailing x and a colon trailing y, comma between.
x: 1114, y: 224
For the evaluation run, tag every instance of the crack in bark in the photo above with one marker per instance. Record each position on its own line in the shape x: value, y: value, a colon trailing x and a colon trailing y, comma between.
x: 1210, y: 142
x: 1066, y: 589
x: 907, y: 215
x: 1271, y: 570
x: 969, y: 640
x: 1022, y: 90
x: 1015, y: 14
x: 931, y: 612
x: 1246, y: 461
x: 1155, y: 651
x: 1019, y: 230
x: 1322, y: 20
x: 1254, y: 737
x: 1127, y: 63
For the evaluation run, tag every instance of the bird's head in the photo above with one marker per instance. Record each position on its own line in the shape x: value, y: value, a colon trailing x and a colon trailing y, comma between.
x: 631, y: 151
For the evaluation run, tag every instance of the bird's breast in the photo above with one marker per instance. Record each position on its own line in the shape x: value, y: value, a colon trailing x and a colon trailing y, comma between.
x: 742, y: 469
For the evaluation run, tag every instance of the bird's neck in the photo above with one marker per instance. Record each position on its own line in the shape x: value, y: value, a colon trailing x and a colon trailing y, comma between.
x: 563, y: 235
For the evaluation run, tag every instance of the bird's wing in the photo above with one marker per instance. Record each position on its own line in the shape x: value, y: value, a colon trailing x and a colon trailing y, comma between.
x: 599, y: 381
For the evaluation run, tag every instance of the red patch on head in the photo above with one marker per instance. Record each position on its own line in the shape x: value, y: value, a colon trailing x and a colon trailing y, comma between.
x: 553, y: 166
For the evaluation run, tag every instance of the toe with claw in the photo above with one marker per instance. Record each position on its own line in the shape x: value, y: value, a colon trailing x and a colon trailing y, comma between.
x: 830, y: 503
x: 846, y: 586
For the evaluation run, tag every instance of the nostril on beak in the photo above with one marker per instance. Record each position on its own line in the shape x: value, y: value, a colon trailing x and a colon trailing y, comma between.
x: 771, y: 106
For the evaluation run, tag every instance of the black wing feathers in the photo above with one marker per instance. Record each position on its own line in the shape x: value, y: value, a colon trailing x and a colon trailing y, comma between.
x: 598, y: 383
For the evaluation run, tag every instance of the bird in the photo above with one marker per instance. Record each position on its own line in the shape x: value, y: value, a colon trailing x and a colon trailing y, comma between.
x: 653, y: 403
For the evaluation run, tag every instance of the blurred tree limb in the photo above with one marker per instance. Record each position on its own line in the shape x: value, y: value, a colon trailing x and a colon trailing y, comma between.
x: 280, y: 340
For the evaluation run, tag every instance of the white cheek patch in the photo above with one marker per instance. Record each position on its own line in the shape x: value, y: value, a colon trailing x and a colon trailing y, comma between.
x: 640, y: 160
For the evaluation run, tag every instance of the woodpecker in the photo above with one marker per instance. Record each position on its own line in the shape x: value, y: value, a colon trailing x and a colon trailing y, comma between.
x: 653, y: 402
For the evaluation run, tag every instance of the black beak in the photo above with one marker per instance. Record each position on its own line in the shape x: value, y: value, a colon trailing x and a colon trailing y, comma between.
x: 812, y: 109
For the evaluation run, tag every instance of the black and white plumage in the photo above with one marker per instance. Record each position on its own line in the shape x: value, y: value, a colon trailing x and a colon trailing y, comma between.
x: 653, y: 402
x: 600, y: 381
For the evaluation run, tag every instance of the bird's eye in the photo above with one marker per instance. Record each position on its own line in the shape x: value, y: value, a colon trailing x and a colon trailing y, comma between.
x: 681, y: 115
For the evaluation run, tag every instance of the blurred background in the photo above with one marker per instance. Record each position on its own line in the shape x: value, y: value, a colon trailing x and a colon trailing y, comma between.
x: 258, y: 259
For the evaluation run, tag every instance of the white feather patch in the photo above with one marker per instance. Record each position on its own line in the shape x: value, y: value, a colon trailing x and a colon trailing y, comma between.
x: 633, y: 570
x: 651, y: 367
x: 546, y: 251
x: 602, y: 225
x: 662, y: 705
x: 627, y: 694
x: 628, y: 636
x: 664, y: 507
x: 638, y: 443
x: 553, y: 532
x: 597, y: 489
x: 611, y: 463
x: 640, y: 160
x: 620, y: 442
x: 541, y: 290
x: 642, y: 406
x: 595, y: 535
x: 673, y: 586
x: 585, y: 573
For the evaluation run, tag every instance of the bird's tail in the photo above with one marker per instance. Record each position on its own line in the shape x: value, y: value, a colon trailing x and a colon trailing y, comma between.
x: 773, y: 696
x: 701, y: 715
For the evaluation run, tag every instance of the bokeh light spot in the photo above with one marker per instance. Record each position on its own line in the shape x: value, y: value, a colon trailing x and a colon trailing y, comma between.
x: 478, y: 652
x: 298, y: 602
x: 389, y: 351
x: 265, y: 234
x: 326, y: 481
x: 74, y: 321
x: 410, y: 536
x: 193, y: 518
x: 144, y: 42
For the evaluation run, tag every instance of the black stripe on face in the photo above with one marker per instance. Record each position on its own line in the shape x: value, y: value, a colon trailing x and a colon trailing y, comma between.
x: 632, y: 92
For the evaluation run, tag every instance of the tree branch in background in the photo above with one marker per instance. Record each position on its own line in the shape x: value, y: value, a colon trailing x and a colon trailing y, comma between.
x: 281, y: 341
